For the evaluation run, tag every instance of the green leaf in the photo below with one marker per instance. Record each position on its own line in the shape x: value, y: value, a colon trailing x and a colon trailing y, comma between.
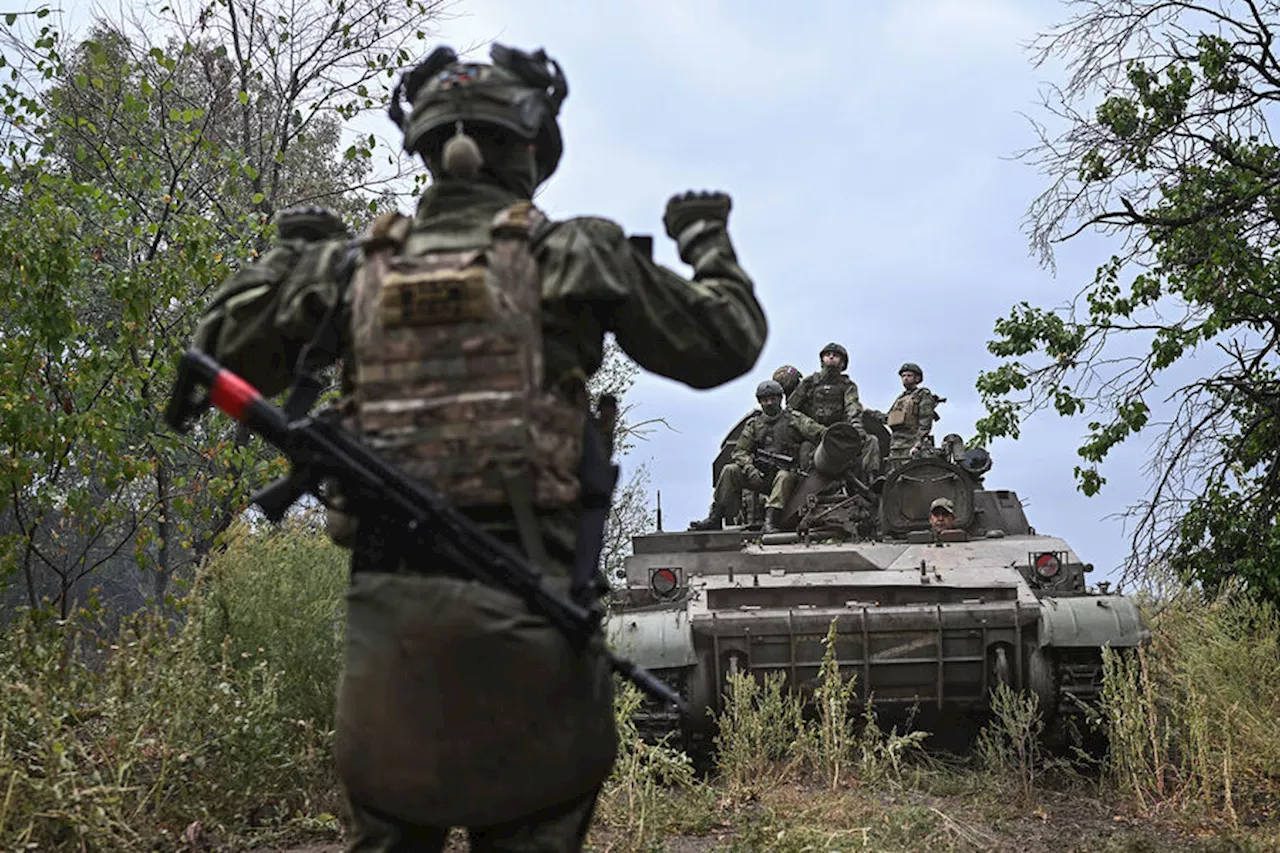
x: 243, y: 97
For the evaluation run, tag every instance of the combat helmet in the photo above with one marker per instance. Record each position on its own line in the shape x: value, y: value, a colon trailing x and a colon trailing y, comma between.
x: 788, y: 376
x: 838, y: 350
x: 520, y: 93
x: 768, y: 388
x: 913, y: 367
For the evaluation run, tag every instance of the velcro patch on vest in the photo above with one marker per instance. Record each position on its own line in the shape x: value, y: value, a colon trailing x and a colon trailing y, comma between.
x: 435, y: 297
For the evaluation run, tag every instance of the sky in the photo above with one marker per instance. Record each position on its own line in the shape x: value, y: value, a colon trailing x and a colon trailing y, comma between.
x: 870, y: 151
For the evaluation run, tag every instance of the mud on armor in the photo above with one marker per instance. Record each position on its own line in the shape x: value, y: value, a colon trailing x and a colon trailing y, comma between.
x: 449, y: 378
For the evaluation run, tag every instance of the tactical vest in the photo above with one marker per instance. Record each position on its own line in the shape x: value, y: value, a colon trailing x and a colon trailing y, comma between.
x: 826, y: 399
x: 448, y: 379
x: 905, y: 412
x: 778, y: 435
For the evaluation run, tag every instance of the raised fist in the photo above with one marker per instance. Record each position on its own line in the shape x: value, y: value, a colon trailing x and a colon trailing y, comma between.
x: 687, y: 208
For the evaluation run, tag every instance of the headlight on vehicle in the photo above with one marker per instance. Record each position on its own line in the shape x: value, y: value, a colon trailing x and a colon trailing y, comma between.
x: 664, y: 582
x: 1047, y: 566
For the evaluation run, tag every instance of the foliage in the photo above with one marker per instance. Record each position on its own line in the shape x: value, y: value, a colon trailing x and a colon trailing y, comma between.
x: 1192, y: 718
x: 1163, y: 143
x: 141, y: 164
x: 629, y: 514
x: 118, y: 742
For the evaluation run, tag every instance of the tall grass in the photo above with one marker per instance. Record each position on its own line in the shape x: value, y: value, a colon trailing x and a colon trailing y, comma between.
x: 121, y: 741
x: 1194, y: 720
x: 767, y: 737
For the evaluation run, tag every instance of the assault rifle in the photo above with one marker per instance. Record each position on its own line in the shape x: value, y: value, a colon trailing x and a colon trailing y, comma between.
x: 320, y: 450
x: 775, y: 461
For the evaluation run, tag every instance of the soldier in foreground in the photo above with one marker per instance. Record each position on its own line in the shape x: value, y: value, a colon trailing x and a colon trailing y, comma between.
x: 764, y: 460
x: 458, y: 706
x: 829, y: 396
x: 911, y: 417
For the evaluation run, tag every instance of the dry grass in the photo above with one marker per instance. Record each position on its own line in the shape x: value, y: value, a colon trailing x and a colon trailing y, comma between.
x: 218, y: 727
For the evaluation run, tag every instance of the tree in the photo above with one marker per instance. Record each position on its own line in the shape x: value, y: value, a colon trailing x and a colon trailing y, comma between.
x: 630, y: 514
x: 1164, y: 146
x: 138, y: 169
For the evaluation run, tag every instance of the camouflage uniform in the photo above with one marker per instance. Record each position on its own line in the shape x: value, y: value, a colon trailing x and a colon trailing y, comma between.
x: 458, y: 706
x: 781, y: 433
x: 910, y: 419
x: 829, y: 396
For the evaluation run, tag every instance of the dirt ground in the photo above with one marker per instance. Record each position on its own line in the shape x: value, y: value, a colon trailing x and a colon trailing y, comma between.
x: 799, y: 818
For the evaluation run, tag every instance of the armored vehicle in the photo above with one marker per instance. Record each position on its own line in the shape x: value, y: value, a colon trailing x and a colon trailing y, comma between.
x: 924, y: 619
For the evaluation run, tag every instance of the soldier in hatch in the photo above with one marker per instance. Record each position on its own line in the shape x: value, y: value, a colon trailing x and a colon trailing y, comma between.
x: 467, y: 335
x: 942, y: 515
x: 771, y: 437
x: 829, y: 396
x: 911, y: 417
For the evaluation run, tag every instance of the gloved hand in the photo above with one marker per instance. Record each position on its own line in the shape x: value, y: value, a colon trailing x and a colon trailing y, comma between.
x: 687, y: 208
x: 755, y: 477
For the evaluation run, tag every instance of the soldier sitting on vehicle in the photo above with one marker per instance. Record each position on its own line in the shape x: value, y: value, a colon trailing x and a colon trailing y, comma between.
x: 829, y: 396
x: 764, y: 460
x: 788, y: 376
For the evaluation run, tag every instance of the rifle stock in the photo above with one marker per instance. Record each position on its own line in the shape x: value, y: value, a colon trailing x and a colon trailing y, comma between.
x: 319, y: 449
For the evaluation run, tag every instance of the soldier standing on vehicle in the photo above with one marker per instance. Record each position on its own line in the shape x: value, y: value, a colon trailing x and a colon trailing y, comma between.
x: 911, y: 417
x: 764, y: 460
x: 467, y: 334
x: 829, y: 396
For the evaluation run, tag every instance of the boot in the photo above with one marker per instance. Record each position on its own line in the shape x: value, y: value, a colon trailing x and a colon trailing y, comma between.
x: 770, y: 521
x: 713, y: 521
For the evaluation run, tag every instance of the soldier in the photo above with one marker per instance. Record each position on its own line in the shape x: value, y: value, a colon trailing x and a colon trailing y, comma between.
x: 829, y: 396
x: 911, y: 417
x: 942, y: 515
x: 467, y: 334
x: 776, y: 432
x: 788, y: 376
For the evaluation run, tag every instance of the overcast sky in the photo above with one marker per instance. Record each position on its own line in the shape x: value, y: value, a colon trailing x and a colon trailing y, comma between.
x: 869, y: 150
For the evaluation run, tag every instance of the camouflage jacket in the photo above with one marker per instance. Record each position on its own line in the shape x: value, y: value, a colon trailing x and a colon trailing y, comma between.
x: 782, y: 433
x: 828, y: 399
x: 913, y: 413
x: 434, y: 712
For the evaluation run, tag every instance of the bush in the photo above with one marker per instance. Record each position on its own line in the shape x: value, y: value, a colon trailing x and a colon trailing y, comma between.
x: 116, y: 741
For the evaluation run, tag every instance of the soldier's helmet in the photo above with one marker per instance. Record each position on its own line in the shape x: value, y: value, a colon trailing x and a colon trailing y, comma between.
x: 520, y: 93
x: 913, y: 367
x: 768, y: 388
x: 943, y: 504
x: 838, y: 350
x: 788, y: 377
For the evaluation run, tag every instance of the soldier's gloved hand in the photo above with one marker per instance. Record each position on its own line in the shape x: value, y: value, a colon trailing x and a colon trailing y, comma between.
x: 755, y: 477
x: 688, y: 208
